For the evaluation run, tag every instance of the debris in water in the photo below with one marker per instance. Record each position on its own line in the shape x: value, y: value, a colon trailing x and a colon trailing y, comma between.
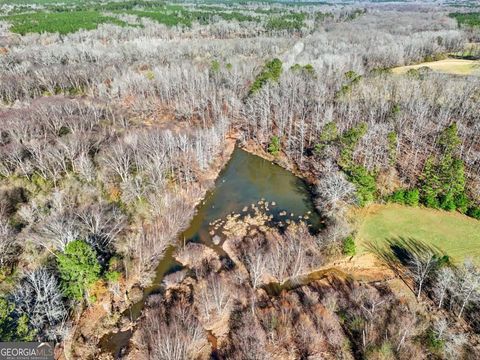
x: 216, y: 239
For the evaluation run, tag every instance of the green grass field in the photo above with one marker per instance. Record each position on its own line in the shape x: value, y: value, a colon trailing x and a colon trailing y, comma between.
x: 447, y: 66
x: 455, y: 234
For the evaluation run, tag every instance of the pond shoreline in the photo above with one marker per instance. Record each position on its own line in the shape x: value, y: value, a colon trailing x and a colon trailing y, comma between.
x: 116, y: 330
x: 281, y: 160
x: 116, y: 342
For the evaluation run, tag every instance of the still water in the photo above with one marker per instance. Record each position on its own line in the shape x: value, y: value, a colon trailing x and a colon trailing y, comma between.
x: 245, y: 180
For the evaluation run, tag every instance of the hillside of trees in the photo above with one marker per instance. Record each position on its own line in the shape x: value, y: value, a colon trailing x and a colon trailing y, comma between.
x: 117, y: 116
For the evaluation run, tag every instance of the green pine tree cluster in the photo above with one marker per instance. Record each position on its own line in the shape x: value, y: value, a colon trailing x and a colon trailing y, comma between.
x: 306, y: 70
x: 442, y: 183
x: 410, y: 197
x: 79, y: 269
x: 328, y: 136
x: 351, y: 78
x: 270, y: 72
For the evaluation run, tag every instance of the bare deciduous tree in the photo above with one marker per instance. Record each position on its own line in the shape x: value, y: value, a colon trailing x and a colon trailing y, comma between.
x: 444, y: 282
x: 468, y: 288
x: 39, y: 297
x: 334, y: 190
x: 175, y: 337
x: 421, y: 265
x: 8, y: 246
x: 213, y: 298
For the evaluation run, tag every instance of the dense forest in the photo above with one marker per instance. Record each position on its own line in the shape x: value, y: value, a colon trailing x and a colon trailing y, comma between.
x: 116, y: 117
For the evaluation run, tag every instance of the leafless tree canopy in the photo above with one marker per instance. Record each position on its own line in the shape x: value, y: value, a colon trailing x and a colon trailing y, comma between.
x: 113, y: 135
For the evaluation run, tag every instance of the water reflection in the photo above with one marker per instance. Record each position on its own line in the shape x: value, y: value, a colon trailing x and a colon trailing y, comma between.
x: 245, y: 180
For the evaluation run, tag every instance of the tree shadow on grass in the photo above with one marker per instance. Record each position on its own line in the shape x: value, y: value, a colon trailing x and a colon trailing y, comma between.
x: 397, y: 253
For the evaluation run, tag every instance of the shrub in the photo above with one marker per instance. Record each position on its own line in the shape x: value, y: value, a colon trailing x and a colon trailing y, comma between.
x: 114, y: 269
x: 447, y: 202
x: 412, y: 197
x: 319, y: 16
x: 433, y: 343
x: 398, y: 197
x: 12, y: 326
x: 112, y: 276
x: 462, y: 202
x: 349, y: 246
x: 79, y: 269
x: 306, y: 70
x: 274, y: 147
x: 431, y: 201
x: 215, y: 66
x: 364, y: 182
x: 384, y: 352
x: 474, y: 212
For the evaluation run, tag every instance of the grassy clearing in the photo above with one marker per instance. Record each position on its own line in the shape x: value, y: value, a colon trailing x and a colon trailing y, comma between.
x: 447, y: 66
x: 455, y: 234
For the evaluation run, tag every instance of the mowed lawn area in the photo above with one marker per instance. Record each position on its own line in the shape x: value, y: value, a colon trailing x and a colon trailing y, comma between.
x: 455, y: 234
x: 447, y: 66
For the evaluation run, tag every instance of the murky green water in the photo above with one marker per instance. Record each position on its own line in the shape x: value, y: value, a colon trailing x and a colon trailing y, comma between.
x: 245, y: 180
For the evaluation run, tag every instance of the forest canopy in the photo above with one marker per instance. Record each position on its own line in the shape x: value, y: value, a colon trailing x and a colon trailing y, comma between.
x: 118, y: 121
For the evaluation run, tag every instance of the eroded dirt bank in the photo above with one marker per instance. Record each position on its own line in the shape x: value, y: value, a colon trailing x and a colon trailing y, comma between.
x: 109, y: 314
x: 221, y: 310
x: 194, y: 255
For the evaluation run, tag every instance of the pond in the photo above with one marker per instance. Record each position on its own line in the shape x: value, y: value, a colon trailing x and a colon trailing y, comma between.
x: 247, y: 182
